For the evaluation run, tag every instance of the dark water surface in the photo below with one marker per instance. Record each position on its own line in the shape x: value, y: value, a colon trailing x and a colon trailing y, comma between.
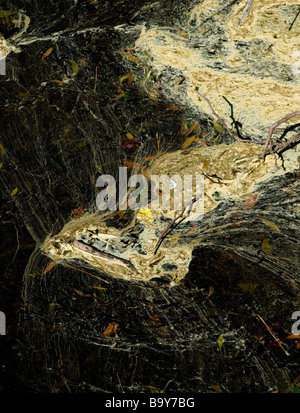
x: 66, y: 114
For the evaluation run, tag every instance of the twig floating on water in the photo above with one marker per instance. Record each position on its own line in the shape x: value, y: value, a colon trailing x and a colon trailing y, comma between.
x: 169, y: 228
x: 247, y: 7
x: 222, y: 121
x: 271, y: 130
x: 290, y: 28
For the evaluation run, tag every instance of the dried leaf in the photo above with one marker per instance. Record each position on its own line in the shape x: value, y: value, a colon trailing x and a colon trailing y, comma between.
x: 130, y: 57
x: 210, y: 292
x: 157, y: 155
x: 266, y: 246
x: 295, y: 336
x: 121, y: 93
x: 111, y: 329
x: 49, y: 267
x: 131, y: 144
x: 205, y: 164
x: 13, y: 193
x: 129, y: 76
x: 59, y: 82
x: 192, y: 128
x: 251, y: 201
x: 188, y: 142
x: 153, y: 94
x: 81, y: 293
x: 74, y: 66
x: 220, y: 341
x: 216, y: 387
x: 6, y: 13
x: 47, y: 53
x: 131, y: 164
x: 271, y: 224
x: 130, y: 136
x: 217, y: 126
x: 77, y: 212
x: 1, y: 153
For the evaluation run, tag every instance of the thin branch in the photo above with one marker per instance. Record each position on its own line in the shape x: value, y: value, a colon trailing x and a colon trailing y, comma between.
x: 96, y: 77
x: 247, y: 7
x: 171, y: 225
x: 290, y: 28
x: 271, y: 130
x: 271, y: 332
x: 222, y: 121
x: 281, y: 147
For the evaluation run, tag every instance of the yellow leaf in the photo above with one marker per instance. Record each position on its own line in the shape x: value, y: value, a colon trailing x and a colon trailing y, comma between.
x: 188, y: 142
x: 129, y: 56
x: 81, y: 293
x: 129, y: 76
x: 216, y: 387
x: 99, y: 288
x: 217, y: 126
x: 111, y: 329
x: 75, y: 67
x: 210, y: 292
x: 121, y: 93
x: 47, y: 53
x: 59, y: 82
x: 1, y: 149
x: 266, y: 246
x: 49, y: 267
x: 5, y: 13
x: 271, y: 224
x: 205, y: 164
x: 129, y: 136
x: 13, y: 193
x: 220, y: 341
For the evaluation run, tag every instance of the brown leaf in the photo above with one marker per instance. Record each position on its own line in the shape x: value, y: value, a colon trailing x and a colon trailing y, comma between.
x: 81, y: 293
x: 151, y: 157
x: 131, y: 144
x: 251, y: 201
x: 49, y: 268
x: 77, y: 212
x: 111, y: 330
x: 266, y: 246
x: 296, y: 336
x: 271, y: 224
x: 47, y: 53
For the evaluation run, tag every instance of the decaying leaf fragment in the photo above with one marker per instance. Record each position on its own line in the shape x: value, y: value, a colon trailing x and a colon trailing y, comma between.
x: 47, y: 53
x: 266, y: 247
x: 111, y: 330
x: 271, y: 225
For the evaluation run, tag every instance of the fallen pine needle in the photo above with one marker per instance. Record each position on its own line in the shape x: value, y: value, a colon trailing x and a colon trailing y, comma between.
x: 272, y: 334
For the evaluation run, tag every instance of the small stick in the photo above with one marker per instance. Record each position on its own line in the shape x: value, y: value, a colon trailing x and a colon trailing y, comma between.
x: 290, y: 28
x: 271, y: 130
x: 218, y: 117
x: 271, y: 332
x: 286, y: 144
x: 169, y: 228
x: 96, y: 76
x: 248, y: 5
